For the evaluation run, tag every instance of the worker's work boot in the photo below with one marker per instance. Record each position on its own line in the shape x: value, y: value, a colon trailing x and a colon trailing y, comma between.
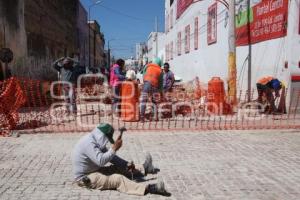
x: 158, y: 188
x: 148, y: 166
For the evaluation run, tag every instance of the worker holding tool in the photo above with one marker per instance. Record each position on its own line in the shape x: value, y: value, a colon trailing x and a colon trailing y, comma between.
x: 90, y: 165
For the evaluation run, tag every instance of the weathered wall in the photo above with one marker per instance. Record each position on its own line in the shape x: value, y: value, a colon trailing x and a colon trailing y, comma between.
x: 38, y: 32
x: 51, y: 27
x: 12, y: 30
x: 96, y: 45
x: 82, y: 35
x: 100, y: 56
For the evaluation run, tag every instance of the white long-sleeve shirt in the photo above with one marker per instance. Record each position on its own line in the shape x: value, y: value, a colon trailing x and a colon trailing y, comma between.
x: 90, y: 154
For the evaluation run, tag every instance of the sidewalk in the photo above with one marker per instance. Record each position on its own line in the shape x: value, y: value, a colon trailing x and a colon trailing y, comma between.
x: 216, y: 165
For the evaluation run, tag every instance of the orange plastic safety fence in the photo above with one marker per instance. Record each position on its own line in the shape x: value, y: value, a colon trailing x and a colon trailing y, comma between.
x: 12, y: 98
x: 27, y: 105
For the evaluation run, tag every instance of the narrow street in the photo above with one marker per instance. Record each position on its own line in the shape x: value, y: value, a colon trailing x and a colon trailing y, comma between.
x: 211, y: 88
x: 218, y: 165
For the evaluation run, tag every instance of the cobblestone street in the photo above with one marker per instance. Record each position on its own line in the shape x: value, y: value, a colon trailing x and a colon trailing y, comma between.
x: 215, y: 165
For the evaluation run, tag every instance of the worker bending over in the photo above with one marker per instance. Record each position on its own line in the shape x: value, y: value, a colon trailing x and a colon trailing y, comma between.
x: 268, y: 85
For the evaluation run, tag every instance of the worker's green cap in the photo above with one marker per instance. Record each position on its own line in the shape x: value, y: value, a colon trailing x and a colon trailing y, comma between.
x: 108, y: 131
x: 157, y: 61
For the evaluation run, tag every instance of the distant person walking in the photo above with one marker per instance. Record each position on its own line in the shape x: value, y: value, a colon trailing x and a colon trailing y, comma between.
x: 153, y: 85
x: 117, y: 76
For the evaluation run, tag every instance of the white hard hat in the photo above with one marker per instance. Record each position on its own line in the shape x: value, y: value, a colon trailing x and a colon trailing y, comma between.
x: 130, y: 74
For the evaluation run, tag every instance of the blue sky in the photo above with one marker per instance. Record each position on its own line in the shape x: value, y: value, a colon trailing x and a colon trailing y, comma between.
x: 126, y: 22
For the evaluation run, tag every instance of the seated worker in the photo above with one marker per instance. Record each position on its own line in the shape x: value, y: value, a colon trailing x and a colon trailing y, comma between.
x: 90, y: 159
x: 266, y: 86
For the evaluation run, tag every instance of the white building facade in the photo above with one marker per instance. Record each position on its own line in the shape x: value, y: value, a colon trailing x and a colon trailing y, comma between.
x: 197, y: 40
x: 140, y: 50
x: 156, y: 45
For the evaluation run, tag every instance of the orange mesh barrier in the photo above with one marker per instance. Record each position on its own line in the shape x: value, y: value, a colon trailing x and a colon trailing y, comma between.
x: 12, y: 98
x: 27, y: 106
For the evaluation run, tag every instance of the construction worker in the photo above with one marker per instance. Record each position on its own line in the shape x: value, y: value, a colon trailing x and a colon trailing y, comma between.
x: 90, y: 159
x: 117, y: 76
x: 153, y: 85
x: 66, y: 67
x: 169, y: 78
x: 265, y: 87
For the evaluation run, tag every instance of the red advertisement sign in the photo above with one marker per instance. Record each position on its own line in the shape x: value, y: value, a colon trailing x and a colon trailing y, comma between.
x: 182, y: 5
x: 268, y: 20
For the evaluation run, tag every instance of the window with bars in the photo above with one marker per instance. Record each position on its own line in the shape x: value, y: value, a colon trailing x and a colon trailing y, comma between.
x: 187, y: 38
x: 179, y: 43
x: 196, y: 33
x: 212, y: 24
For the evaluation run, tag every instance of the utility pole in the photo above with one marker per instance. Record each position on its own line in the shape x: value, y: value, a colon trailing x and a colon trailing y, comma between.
x: 89, y: 27
x: 156, y: 36
x: 232, y: 87
x: 250, y: 50
x: 89, y: 21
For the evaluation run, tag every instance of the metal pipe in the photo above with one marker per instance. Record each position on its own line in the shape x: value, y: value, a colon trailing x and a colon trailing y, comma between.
x: 250, y: 50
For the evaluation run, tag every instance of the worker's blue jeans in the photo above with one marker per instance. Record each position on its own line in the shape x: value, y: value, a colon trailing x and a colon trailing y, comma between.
x: 149, y: 90
x: 119, y: 162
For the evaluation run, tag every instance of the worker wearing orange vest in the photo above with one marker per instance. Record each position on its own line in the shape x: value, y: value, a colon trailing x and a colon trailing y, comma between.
x: 153, y: 85
x: 266, y: 86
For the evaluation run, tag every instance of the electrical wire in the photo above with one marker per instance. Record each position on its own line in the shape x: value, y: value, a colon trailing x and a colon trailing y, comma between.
x: 125, y: 15
x: 240, y: 77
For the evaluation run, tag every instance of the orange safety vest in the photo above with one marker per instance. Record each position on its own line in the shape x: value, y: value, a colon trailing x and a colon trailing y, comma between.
x: 265, y: 80
x: 153, y: 73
